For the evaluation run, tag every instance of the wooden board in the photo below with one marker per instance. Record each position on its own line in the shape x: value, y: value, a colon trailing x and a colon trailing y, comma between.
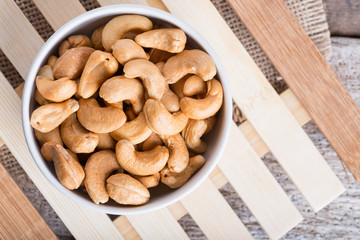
x: 308, y: 74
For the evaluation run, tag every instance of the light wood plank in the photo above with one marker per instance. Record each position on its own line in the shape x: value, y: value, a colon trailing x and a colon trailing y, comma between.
x: 111, y: 2
x: 212, y: 213
x: 19, y: 219
x: 263, y: 107
x: 159, y: 224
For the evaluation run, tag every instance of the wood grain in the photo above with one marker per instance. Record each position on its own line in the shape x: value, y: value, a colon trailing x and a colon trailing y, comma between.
x: 308, y: 74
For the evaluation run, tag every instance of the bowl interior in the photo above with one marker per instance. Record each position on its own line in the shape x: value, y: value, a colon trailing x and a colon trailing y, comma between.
x: 85, y: 24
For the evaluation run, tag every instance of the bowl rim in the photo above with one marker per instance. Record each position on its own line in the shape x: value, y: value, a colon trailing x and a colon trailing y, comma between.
x: 62, y: 32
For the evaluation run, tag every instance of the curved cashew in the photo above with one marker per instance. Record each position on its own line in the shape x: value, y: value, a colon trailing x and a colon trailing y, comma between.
x: 152, y: 141
x: 130, y: 114
x: 97, y: 169
x: 210, y: 123
x: 52, y: 60
x: 96, y: 38
x: 135, y: 131
x: 125, y: 50
x: 189, y: 61
x: 167, y: 39
x: 178, y: 87
x: 141, y: 163
x: 40, y: 99
x: 179, y: 154
x: 106, y: 142
x: 68, y: 169
x: 152, y: 78
x: 161, y: 120
x: 149, y: 181
x: 46, y: 71
x: 206, y: 107
x: 99, y: 67
x: 56, y: 90
x: 194, y: 85
x: 126, y: 190
x: 120, y: 88
x: 76, y: 137
x: 192, y: 134
x: 119, y: 26
x: 52, y: 136
x: 73, y: 42
x: 160, y: 65
x: 49, y: 116
x: 99, y: 119
x: 176, y: 180
x: 72, y: 62
x: 157, y: 55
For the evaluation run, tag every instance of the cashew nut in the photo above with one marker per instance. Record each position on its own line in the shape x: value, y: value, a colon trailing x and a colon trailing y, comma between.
x: 49, y: 116
x: 52, y: 136
x: 99, y: 119
x: 68, y: 169
x: 179, y: 154
x: 106, y: 142
x: 141, y: 163
x: 125, y: 50
x: 99, y: 67
x: 178, y: 87
x: 161, y: 120
x: 157, y: 55
x: 176, y: 180
x: 192, y: 134
x: 210, y: 123
x: 119, y: 26
x: 73, y: 42
x: 206, y: 107
x: 52, y: 60
x: 149, y: 181
x: 40, y: 99
x: 56, y: 90
x: 194, y: 85
x: 97, y: 169
x: 152, y: 78
x: 126, y: 190
x: 135, y: 131
x: 46, y: 71
x: 189, y: 61
x: 96, y: 38
x: 152, y: 141
x: 120, y: 88
x: 76, y: 137
x: 72, y: 62
x: 130, y: 114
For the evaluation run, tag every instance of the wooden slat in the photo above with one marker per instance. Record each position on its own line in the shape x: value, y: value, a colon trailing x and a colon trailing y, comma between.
x: 159, y: 224
x: 110, y: 2
x: 212, y: 213
x: 308, y: 74
x: 263, y: 106
x: 19, y: 219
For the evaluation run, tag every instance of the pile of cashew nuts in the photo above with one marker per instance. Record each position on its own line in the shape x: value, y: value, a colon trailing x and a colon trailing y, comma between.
x: 125, y: 109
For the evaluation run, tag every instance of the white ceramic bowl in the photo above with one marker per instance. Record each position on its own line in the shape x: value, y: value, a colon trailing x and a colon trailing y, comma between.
x: 86, y: 24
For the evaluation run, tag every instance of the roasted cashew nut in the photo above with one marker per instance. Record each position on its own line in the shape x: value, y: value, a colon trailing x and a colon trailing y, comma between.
x: 189, y: 61
x: 157, y: 55
x: 210, y: 123
x: 52, y: 60
x: 96, y: 38
x: 149, y: 181
x: 161, y: 120
x: 125, y: 50
x: 52, y: 136
x: 130, y: 114
x: 46, y: 71
x: 56, y: 90
x: 106, y: 142
x: 192, y: 134
x: 167, y: 39
x: 126, y: 190
x: 206, y: 107
x: 76, y: 137
x: 176, y: 180
x: 99, y: 67
x: 152, y: 141
x: 178, y: 87
x: 73, y: 42
x: 68, y: 169
x: 141, y: 163
x: 179, y: 154
x: 97, y: 169
x: 135, y: 131
x: 152, y: 78
x: 40, y: 99
x: 119, y: 26
x: 194, y: 85
x: 120, y: 88
x: 50, y: 116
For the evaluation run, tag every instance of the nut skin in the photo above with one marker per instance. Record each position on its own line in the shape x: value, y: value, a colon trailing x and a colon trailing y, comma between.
x: 56, y: 90
x: 179, y: 154
x: 106, y: 142
x: 97, y: 169
x: 127, y: 190
x: 99, y: 119
x: 153, y: 80
x: 50, y: 116
x: 73, y: 42
x: 152, y: 141
x: 149, y: 181
x: 125, y: 50
x: 192, y: 134
x: 96, y: 38
x: 167, y: 39
x: 205, y: 107
x: 120, y: 88
x: 141, y: 163
x: 161, y: 121
x: 194, y: 85
x: 52, y: 136
x: 99, y: 67
x: 76, y: 137
x: 119, y: 26
x: 72, y: 62
x: 176, y: 180
x: 68, y: 169
x: 193, y: 61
